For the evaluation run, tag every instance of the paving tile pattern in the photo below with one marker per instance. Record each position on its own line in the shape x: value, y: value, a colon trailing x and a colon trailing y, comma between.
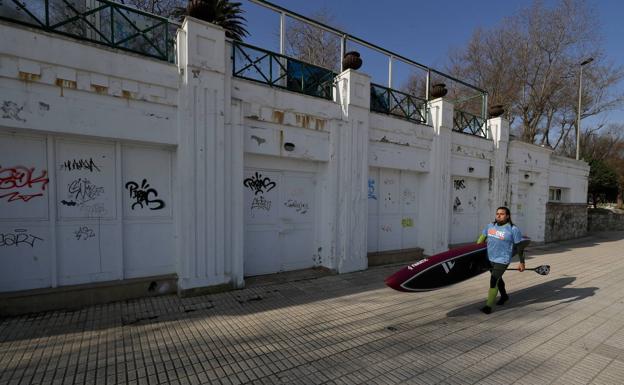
x: 565, y: 328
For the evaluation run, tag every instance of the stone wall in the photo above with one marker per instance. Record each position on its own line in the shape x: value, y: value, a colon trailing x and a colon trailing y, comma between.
x: 604, y: 220
x: 565, y: 221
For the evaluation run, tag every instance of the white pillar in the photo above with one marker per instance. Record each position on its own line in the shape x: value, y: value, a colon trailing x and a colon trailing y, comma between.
x: 209, y: 162
x: 436, y: 207
x: 499, y: 128
x: 348, y: 167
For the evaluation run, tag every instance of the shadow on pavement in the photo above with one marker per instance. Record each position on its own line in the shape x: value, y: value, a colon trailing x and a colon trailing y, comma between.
x: 554, y: 290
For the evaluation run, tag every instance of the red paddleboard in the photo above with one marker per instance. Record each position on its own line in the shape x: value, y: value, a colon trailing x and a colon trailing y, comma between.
x: 442, y: 269
x: 447, y: 268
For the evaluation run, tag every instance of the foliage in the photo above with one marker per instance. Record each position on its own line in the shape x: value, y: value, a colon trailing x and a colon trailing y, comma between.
x: 157, y: 7
x: 223, y: 13
x: 314, y: 45
x: 531, y: 62
x: 603, y: 182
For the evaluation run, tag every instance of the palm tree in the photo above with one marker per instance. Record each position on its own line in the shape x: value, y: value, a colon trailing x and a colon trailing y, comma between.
x: 220, y: 12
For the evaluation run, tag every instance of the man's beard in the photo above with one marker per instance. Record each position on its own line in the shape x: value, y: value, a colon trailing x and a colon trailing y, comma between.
x: 503, y: 222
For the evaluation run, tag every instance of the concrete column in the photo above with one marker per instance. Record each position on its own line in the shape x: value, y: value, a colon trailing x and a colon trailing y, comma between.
x: 348, y: 167
x: 499, y: 129
x: 436, y: 206
x: 209, y: 162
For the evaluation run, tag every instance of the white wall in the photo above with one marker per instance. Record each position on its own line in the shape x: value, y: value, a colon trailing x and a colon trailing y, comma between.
x: 77, y: 210
x: 571, y: 175
x: 90, y: 128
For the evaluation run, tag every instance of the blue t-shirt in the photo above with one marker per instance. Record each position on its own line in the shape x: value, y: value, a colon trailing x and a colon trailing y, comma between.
x: 500, y: 241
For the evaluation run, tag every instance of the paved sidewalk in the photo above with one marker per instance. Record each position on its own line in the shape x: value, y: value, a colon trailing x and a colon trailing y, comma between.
x: 565, y: 328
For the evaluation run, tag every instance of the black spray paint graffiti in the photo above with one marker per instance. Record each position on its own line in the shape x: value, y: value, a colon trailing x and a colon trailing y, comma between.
x: 10, y: 110
x: 80, y: 164
x: 456, y: 205
x: 300, y: 207
x: 142, y: 195
x: 258, y: 184
x: 459, y: 184
x: 18, y: 237
x: 83, y: 233
x: 260, y: 203
x: 81, y: 191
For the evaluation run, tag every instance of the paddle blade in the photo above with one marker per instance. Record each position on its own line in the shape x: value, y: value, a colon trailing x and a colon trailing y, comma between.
x: 542, y: 270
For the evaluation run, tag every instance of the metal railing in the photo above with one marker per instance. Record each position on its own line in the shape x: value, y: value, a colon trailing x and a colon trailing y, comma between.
x: 397, y: 103
x: 468, y: 123
x: 99, y: 21
x: 350, y: 42
x: 260, y: 65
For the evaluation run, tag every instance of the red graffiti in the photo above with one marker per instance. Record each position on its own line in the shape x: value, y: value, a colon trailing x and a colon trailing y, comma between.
x: 18, y: 179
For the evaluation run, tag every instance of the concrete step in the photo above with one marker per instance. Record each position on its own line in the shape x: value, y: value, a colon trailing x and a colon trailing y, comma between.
x: 395, y: 256
x: 78, y: 296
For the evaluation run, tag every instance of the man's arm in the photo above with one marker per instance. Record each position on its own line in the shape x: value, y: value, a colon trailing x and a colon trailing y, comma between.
x: 519, y: 246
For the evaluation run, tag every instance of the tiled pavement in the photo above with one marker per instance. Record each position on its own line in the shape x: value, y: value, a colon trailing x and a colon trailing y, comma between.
x: 565, y: 328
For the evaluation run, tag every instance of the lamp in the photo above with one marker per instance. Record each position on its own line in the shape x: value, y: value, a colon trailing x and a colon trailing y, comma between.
x: 578, y: 112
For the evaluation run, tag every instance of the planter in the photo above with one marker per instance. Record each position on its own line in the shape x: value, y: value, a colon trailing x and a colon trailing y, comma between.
x: 496, y: 110
x: 438, y: 90
x: 351, y: 60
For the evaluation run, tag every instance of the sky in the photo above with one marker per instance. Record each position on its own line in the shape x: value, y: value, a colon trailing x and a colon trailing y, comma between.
x: 423, y: 31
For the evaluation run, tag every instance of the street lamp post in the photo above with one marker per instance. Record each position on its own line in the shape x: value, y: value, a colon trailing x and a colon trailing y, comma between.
x: 578, y: 112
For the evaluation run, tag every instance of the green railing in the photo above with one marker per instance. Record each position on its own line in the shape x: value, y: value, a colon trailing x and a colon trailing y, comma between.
x: 397, y: 103
x: 468, y: 123
x: 257, y: 64
x: 98, y: 21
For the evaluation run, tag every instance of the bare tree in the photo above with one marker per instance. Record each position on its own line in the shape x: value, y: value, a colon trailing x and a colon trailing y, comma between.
x: 530, y: 64
x: 312, y: 44
x: 163, y: 8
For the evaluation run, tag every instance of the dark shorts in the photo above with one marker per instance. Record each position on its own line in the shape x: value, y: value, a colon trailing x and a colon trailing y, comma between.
x: 498, y: 269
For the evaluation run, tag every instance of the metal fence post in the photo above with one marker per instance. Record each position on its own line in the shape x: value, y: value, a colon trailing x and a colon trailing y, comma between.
x: 47, y: 14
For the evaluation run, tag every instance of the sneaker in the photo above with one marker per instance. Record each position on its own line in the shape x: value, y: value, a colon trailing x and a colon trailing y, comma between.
x: 486, y: 309
x: 503, y: 299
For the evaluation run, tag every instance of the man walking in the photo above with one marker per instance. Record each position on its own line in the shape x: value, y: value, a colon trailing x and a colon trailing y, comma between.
x: 501, y: 235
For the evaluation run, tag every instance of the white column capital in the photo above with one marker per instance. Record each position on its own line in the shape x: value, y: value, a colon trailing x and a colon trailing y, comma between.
x: 201, y: 45
x: 441, y: 114
x: 353, y: 89
x: 499, y: 130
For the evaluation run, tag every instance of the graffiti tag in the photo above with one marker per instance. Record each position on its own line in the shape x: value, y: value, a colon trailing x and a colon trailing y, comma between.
x: 18, y: 178
x: 459, y: 184
x: 409, y: 196
x: 80, y: 164
x: 18, y: 237
x: 407, y: 222
x: 386, y: 228
x: 95, y: 210
x: 300, y: 207
x: 142, y: 195
x: 456, y: 205
x: 82, y: 190
x: 371, y: 189
x: 260, y: 203
x: 10, y: 110
x: 258, y: 184
x: 83, y: 233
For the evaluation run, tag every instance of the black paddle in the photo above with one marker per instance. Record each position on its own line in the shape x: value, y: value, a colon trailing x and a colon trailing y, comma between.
x: 541, y: 270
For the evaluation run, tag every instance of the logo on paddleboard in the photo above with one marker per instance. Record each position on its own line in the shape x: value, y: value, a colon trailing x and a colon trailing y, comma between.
x: 413, y: 265
x: 448, y: 266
